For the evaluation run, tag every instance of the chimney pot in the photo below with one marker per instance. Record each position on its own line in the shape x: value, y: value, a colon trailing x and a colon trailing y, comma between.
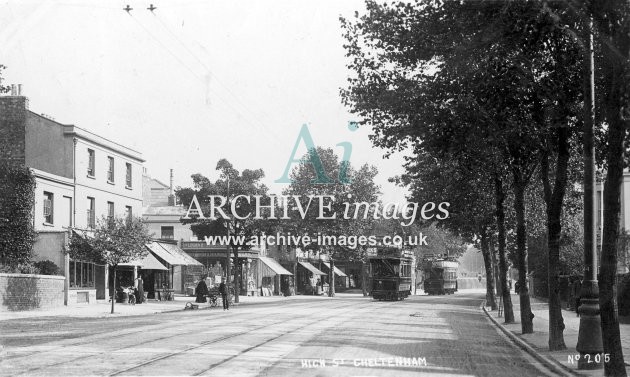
x: 19, y: 89
x: 13, y: 90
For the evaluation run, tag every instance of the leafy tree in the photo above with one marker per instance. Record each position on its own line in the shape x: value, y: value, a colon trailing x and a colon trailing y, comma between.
x: 3, y: 88
x: 463, y: 77
x: 230, y: 184
x: 115, y: 241
x: 360, y: 189
x: 471, y: 216
x: 611, y: 20
x: 17, y: 199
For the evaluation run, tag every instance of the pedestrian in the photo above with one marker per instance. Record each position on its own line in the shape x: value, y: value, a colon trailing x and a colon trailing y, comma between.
x: 201, y: 291
x: 576, y: 289
x: 140, y: 291
x: 223, y: 289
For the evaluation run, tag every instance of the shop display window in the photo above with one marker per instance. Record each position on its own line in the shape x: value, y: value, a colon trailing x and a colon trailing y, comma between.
x: 82, y: 274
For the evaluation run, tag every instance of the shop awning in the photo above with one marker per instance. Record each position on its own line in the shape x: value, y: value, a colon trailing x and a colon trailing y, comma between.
x: 275, y: 266
x: 312, y: 268
x: 338, y: 272
x: 172, y: 254
x: 149, y: 262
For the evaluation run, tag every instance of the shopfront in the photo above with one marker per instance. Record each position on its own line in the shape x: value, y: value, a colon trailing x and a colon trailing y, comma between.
x: 213, y: 258
x: 273, y: 279
x: 341, y: 279
x: 308, y: 278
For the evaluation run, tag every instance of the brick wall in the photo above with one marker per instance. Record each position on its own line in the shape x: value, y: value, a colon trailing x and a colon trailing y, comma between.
x: 28, y: 292
x: 13, y: 129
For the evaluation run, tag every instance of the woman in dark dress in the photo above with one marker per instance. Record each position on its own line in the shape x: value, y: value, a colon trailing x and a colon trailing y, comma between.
x: 140, y: 291
x: 201, y: 291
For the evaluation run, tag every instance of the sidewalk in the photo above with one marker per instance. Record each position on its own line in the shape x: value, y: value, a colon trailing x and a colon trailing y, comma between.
x: 102, y: 308
x: 539, y: 339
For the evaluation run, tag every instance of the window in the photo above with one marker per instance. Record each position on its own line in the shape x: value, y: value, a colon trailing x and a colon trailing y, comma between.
x: 110, y: 169
x: 128, y: 213
x: 81, y: 274
x: 128, y: 176
x: 168, y: 233
x: 91, y: 216
x: 68, y: 201
x: 91, y: 157
x: 48, y: 207
x: 110, y: 211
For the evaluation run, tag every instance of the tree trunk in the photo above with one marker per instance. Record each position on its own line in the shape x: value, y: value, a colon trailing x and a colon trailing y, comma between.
x: 237, y: 276
x: 527, y: 325
x: 331, y: 279
x: 553, y: 199
x: 487, y: 261
x: 500, y: 215
x: 114, y: 291
x: 610, y: 322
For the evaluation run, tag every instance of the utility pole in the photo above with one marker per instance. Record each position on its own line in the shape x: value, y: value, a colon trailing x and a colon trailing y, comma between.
x: 590, y: 334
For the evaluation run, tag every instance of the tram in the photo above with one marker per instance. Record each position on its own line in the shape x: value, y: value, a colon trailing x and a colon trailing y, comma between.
x: 439, y: 274
x: 390, y: 271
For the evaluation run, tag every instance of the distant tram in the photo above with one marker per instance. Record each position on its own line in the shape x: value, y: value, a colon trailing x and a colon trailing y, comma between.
x: 390, y: 271
x: 439, y: 274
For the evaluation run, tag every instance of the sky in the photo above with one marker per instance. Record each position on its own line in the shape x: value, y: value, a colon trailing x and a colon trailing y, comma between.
x: 193, y: 81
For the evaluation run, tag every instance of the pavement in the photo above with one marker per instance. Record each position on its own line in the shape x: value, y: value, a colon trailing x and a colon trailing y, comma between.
x: 102, y: 308
x: 537, y: 343
x: 348, y: 335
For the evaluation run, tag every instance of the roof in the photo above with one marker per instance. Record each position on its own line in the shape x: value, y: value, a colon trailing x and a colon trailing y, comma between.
x: 147, y: 263
x: 338, y: 272
x: 172, y: 254
x: 275, y: 266
x: 312, y: 268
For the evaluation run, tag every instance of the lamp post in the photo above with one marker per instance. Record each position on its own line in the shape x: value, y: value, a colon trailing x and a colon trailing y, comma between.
x: 590, y: 333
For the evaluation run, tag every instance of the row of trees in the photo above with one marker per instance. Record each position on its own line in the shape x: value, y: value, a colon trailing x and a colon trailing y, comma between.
x: 488, y: 98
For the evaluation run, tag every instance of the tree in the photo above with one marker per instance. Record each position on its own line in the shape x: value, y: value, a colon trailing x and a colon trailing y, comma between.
x: 17, y: 199
x: 612, y: 27
x: 472, y: 217
x: 456, y: 78
x: 115, y: 240
x: 3, y: 88
x: 361, y: 189
x: 231, y: 184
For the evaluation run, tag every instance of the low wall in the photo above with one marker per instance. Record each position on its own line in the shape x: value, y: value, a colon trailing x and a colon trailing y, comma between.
x: 27, y: 292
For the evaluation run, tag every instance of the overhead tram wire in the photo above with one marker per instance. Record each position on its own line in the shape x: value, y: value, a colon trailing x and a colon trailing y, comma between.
x: 266, y: 135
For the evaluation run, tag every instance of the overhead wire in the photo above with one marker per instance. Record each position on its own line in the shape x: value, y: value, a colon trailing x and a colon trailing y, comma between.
x: 215, y: 77
x: 230, y: 105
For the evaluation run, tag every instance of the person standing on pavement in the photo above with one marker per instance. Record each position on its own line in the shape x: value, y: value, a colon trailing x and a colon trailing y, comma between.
x: 576, y: 288
x: 140, y: 291
x: 201, y: 291
x: 224, y: 295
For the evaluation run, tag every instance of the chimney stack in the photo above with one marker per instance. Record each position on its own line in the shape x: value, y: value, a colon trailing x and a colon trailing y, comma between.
x: 171, y: 197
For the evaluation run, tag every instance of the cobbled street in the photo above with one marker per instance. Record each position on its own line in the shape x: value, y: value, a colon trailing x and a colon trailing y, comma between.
x: 348, y: 335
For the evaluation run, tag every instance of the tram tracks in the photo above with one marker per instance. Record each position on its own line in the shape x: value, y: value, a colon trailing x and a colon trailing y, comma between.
x: 104, y: 336
x: 231, y: 336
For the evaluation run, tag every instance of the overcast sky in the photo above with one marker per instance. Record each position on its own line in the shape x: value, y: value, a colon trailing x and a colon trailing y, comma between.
x: 192, y: 82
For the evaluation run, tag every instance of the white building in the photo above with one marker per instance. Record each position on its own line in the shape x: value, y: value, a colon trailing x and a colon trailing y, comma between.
x: 80, y: 178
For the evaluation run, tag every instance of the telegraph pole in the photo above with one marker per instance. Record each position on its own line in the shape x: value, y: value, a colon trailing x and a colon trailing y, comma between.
x: 590, y: 333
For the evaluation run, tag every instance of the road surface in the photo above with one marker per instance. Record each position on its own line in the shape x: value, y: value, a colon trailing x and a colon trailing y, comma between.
x: 348, y: 335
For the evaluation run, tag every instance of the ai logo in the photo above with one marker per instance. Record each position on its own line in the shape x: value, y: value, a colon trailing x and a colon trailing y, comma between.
x: 320, y: 173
